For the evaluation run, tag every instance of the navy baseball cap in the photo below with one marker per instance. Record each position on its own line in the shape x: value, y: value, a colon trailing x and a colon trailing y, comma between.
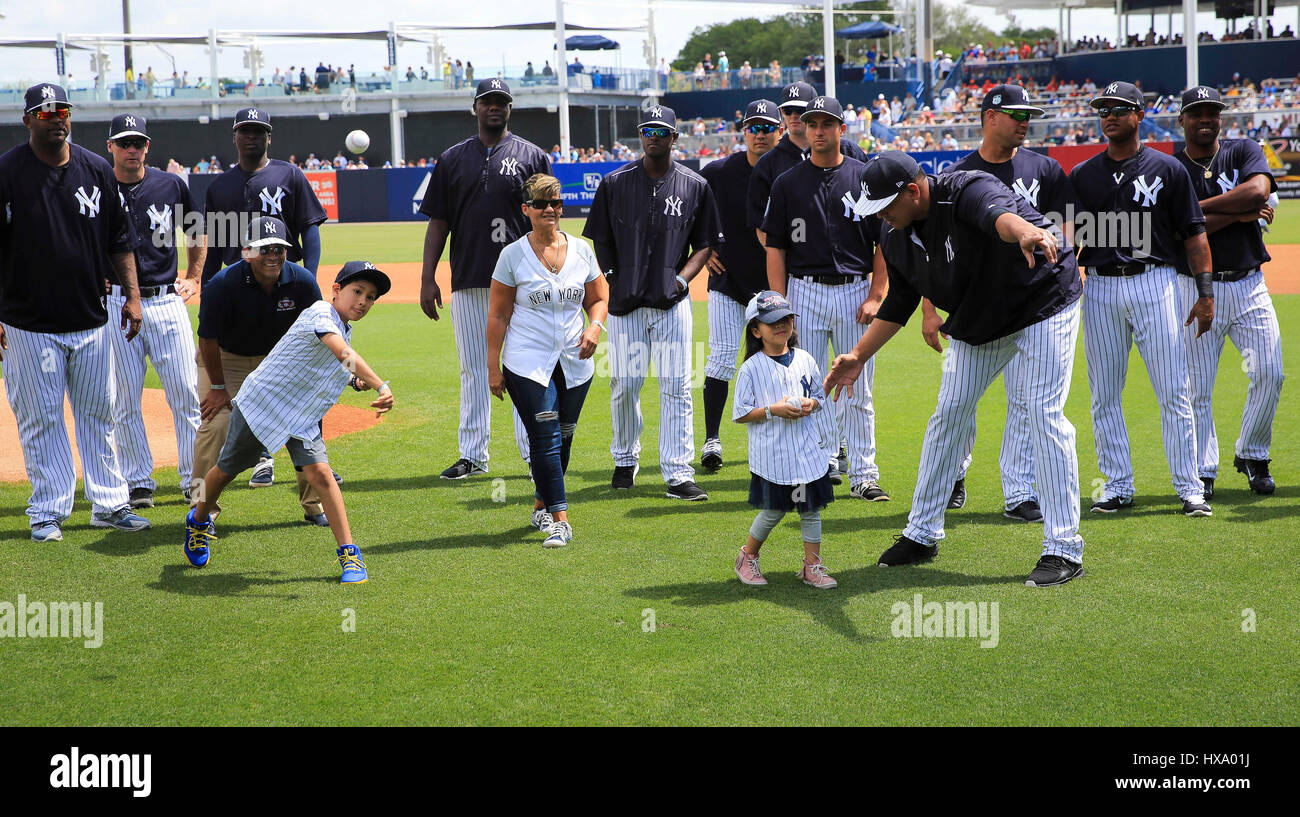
x: 46, y: 96
x: 658, y: 115
x: 762, y: 109
x: 364, y: 271
x: 1202, y: 95
x: 769, y: 306
x: 828, y: 105
x: 885, y: 177
x: 265, y: 230
x: 1119, y: 93
x: 493, y: 86
x: 252, y: 116
x: 127, y: 124
x: 1008, y: 98
x: 797, y: 95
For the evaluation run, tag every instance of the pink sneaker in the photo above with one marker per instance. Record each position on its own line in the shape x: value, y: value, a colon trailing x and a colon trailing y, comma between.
x: 747, y: 569
x: 816, y: 576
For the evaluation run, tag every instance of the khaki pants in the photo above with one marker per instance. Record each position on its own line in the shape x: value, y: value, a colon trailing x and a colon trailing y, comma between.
x: 212, y: 433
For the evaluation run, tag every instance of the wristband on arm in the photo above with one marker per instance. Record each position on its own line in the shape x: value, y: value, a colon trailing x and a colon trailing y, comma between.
x: 1205, y: 285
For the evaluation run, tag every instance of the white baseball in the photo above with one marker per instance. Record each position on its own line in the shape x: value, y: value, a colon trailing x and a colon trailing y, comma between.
x: 795, y: 403
x: 357, y: 141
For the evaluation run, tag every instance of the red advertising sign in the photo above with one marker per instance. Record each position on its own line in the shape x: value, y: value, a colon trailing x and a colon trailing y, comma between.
x: 1071, y: 155
x: 323, y: 184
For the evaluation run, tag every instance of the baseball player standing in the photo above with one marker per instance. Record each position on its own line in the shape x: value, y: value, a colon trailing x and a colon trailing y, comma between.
x: 1008, y: 280
x: 65, y: 233
x: 653, y: 223
x: 155, y: 202
x: 737, y: 268
x: 822, y: 245
x: 474, y: 195
x: 1232, y: 181
x: 257, y: 186
x: 1132, y: 293
x: 1039, y: 180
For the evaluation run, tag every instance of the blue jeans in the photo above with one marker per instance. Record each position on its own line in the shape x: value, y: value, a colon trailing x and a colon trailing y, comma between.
x: 550, y: 416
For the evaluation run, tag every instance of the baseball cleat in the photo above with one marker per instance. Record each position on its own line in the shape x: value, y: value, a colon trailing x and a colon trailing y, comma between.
x: 1053, y: 570
x: 198, y: 540
x: 834, y: 475
x: 48, y: 531
x: 1256, y: 471
x: 688, y: 491
x: 1027, y: 511
x: 624, y: 476
x: 263, y: 474
x: 354, y: 567
x: 462, y: 468
x: 747, y: 570
x: 121, y: 519
x: 558, y: 535
x: 541, y: 519
x: 711, y: 454
x: 958, y: 499
x: 869, y: 491
x: 906, y: 552
x: 1208, y: 483
x: 316, y: 519
x: 1193, y: 508
x: 1115, y: 503
x: 815, y: 575
x: 141, y: 498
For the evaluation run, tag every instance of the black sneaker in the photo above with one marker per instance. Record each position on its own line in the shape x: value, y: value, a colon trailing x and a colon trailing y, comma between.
x: 1208, y: 483
x: 1053, y: 570
x: 624, y: 477
x: 318, y: 519
x: 711, y: 455
x: 842, y: 461
x: 688, y: 491
x: 1113, y: 504
x: 906, y: 552
x: 462, y: 468
x: 958, y: 498
x: 1191, y: 508
x: 141, y: 498
x: 1027, y: 511
x: 869, y: 491
x: 1256, y: 471
x: 834, y: 475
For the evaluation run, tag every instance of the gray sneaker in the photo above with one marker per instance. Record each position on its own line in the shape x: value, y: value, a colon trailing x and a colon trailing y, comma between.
x: 47, y: 531
x: 559, y: 535
x: 542, y: 519
x: 121, y: 519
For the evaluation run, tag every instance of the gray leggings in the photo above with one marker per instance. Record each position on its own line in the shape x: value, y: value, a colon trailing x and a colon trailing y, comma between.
x: 809, y: 521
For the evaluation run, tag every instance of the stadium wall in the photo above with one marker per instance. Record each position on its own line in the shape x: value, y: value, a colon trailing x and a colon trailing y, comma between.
x: 1163, y: 69
x: 707, y: 104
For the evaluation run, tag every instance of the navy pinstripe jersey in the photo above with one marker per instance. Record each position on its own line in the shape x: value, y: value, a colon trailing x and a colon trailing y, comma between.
x: 1036, y: 178
x: 1238, y: 246
x: 741, y: 254
x: 59, y: 228
x: 156, y: 205
x: 477, y: 191
x: 819, y: 203
x: 775, y: 162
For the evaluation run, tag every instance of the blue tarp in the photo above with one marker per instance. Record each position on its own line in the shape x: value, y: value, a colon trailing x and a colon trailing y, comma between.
x: 871, y: 30
x: 589, y: 42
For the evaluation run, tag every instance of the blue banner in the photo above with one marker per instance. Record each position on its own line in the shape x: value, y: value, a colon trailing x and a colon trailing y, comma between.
x: 578, y: 183
x: 936, y: 162
x: 406, y: 188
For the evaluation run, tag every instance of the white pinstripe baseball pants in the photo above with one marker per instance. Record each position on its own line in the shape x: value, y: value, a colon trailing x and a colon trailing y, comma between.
x: 469, y: 308
x: 1047, y: 352
x: 1016, y: 459
x: 661, y: 336
x: 828, y: 315
x: 1243, y: 311
x: 726, y: 334
x: 1116, y: 312
x: 167, y: 339
x: 39, y: 369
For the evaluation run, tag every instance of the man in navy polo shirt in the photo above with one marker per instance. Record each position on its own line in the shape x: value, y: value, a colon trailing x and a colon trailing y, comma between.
x: 247, y: 308
x: 156, y: 203
x: 64, y: 234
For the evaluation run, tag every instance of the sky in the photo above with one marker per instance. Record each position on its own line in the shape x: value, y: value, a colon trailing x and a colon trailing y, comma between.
x: 489, y: 51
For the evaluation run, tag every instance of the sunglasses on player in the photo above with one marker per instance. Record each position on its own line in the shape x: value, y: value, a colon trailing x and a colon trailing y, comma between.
x: 759, y: 129
x: 272, y: 249
x: 545, y: 204
x: 1019, y: 116
x: 656, y: 133
x: 135, y: 143
x: 57, y: 113
x: 1117, y: 110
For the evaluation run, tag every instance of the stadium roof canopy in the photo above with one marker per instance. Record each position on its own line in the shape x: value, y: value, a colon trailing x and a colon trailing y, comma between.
x: 1171, y: 5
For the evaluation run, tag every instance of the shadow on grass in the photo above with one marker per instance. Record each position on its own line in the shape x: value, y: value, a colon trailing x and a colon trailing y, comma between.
x: 189, y: 581
x: 1244, y: 505
x: 825, y: 606
x: 495, y: 540
x: 165, y: 534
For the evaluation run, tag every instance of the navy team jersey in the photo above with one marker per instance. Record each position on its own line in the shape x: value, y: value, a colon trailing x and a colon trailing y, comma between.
x: 243, y: 319
x: 279, y: 189
x: 775, y: 162
x: 955, y: 258
x: 741, y: 254
x: 819, y: 202
x: 652, y: 226
x: 477, y: 191
x: 1149, y: 182
x: 1238, y: 246
x: 156, y: 207
x: 1036, y: 178
x: 61, y: 225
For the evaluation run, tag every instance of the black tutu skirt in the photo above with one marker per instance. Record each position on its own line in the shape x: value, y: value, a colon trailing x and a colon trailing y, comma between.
x: 766, y: 495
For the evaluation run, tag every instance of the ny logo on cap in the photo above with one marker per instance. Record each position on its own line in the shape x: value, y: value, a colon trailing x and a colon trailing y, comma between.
x: 272, y: 203
x: 88, y: 203
x: 47, y: 92
x: 760, y: 107
x: 496, y: 83
x: 819, y: 103
x: 656, y: 112
x: 1112, y: 88
x: 794, y: 91
x: 252, y: 113
x: 130, y: 121
x: 268, y: 227
x: 997, y: 99
x: 368, y: 265
x: 1202, y: 93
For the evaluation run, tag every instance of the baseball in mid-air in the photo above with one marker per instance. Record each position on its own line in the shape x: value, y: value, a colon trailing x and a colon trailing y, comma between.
x: 357, y: 141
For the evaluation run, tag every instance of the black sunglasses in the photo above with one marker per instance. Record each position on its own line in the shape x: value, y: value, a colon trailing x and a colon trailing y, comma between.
x: 272, y: 249
x: 1117, y: 110
x: 543, y: 204
x: 656, y: 133
x: 131, y: 144
x: 764, y: 128
x: 1019, y: 116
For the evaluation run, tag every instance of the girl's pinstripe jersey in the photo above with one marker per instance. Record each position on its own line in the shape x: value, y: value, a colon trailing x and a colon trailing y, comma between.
x: 787, y: 452
x: 288, y: 394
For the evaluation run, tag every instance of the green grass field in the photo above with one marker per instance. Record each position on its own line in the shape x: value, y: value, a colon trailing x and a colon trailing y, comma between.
x: 467, y: 620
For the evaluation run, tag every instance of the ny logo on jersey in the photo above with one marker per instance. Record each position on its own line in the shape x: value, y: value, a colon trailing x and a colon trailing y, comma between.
x: 1202, y: 93
x: 819, y: 103
x: 88, y: 203
x: 807, y: 383
x: 947, y: 246
x: 855, y: 207
x: 1029, y: 194
x: 130, y: 121
x: 1226, y: 184
x: 273, y: 203
x: 509, y: 166
x: 1112, y: 88
x: 1148, y: 192
x: 160, y: 220
x: 673, y: 206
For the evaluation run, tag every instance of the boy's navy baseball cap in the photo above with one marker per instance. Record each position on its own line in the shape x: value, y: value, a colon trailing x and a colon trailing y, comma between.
x: 364, y: 271
x: 265, y: 230
x: 252, y: 116
x: 1119, y: 93
x: 768, y: 306
x: 45, y: 96
x: 797, y: 95
x: 762, y: 109
x: 1008, y: 98
x: 1202, y: 95
x: 659, y: 116
x: 828, y: 105
x: 127, y: 124
x: 493, y: 86
x: 885, y: 177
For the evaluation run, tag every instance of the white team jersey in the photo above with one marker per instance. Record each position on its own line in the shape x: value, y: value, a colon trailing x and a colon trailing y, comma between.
x: 288, y: 394
x: 547, y: 323
x: 787, y: 452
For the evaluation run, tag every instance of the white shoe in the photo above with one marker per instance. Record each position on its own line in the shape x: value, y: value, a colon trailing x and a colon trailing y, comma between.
x: 559, y: 535
x: 542, y: 519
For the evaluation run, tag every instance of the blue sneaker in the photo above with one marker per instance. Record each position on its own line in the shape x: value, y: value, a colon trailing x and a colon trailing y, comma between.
x: 198, y: 540
x: 47, y: 531
x: 121, y: 519
x: 354, y: 567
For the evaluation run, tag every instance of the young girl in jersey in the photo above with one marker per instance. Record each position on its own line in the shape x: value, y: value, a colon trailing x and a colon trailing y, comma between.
x: 777, y: 388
